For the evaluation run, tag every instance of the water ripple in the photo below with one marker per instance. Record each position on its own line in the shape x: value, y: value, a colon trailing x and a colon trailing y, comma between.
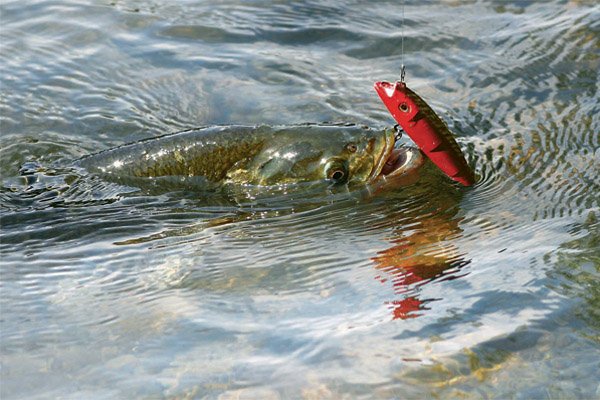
x: 431, y: 290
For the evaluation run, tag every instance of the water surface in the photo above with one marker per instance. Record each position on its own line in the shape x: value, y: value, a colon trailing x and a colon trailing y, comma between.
x: 432, y: 290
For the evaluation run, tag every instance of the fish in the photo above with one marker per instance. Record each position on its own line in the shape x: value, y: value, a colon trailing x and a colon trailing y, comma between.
x: 426, y: 129
x: 265, y: 155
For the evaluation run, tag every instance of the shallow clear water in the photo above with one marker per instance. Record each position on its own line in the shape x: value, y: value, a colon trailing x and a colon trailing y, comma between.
x: 431, y: 290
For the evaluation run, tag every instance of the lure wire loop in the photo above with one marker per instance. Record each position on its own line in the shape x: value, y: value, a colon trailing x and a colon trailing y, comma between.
x: 398, y: 132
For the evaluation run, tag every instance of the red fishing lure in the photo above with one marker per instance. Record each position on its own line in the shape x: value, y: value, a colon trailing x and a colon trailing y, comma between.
x: 426, y: 129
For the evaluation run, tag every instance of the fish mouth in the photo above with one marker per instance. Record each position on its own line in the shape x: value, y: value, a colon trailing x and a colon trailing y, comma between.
x: 395, y: 160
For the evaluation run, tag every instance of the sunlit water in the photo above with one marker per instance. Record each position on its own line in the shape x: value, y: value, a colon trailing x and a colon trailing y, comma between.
x: 432, y: 290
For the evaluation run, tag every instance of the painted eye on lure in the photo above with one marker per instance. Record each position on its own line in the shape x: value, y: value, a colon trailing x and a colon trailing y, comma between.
x: 351, y: 147
x: 404, y: 107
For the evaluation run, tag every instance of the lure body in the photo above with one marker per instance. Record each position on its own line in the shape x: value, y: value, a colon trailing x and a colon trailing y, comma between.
x: 426, y: 129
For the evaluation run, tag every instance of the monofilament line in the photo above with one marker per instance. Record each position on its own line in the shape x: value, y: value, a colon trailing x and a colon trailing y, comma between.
x: 402, y: 46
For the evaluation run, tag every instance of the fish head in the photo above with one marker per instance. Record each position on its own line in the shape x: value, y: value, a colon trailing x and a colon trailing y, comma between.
x: 399, y: 101
x: 338, y: 154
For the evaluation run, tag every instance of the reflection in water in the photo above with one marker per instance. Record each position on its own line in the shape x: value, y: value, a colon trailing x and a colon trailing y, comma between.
x: 421, y: 253
x: 418, y: 259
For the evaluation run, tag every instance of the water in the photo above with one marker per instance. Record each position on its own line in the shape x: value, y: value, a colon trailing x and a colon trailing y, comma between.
x: 427, y: 291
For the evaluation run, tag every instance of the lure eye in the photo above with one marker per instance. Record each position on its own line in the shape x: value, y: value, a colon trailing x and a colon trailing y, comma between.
x: 404, y: 107
x: 351, y: 147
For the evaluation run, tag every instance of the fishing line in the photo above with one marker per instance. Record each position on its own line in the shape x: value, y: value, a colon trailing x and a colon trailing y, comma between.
x: 402, y: 69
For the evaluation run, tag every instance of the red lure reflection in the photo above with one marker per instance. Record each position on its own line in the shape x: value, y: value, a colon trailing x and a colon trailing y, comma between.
x: 415, y: 260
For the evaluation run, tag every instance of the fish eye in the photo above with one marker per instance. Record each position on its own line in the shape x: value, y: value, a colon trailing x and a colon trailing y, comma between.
x: 337, y: 175
x: 337, y: 171
x: 351, y: 147
x: 404, y: 107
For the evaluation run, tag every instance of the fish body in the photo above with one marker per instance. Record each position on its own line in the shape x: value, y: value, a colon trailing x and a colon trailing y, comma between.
x: 264, y: 155
x: 426, y: 129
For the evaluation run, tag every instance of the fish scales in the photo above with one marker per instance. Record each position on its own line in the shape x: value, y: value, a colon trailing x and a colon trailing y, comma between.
x: 188, y: 153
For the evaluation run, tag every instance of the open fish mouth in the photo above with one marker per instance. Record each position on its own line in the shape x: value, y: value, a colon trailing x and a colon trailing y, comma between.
x: 396, y: 158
